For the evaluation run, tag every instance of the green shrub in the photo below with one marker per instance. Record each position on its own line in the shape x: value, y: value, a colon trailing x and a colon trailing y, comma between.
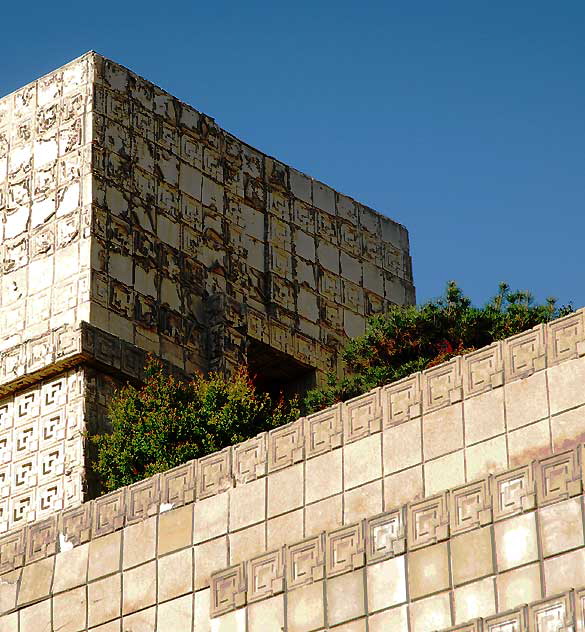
x: 168, y: 421
x: 409, y: 339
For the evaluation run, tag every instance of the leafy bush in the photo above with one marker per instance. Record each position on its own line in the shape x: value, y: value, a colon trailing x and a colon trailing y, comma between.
x: 168, y: 421
x: 409, y: 339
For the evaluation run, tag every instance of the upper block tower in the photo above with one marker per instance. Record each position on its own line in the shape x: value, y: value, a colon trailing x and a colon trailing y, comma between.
x: 132, y: 223
x: 130, y: 210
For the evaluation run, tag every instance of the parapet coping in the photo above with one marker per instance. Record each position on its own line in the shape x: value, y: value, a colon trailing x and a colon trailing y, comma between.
x: 418, y: 524
x: 462, y: 377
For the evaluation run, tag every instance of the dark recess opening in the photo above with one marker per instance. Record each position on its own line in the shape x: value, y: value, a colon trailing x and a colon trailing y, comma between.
x: 275, y: 372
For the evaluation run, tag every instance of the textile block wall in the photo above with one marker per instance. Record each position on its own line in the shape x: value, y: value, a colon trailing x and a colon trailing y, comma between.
x: 451, y: 500
x: 45, y: 201
x: 351, y: 519
x: 132, y: 223
x: 192, y: 228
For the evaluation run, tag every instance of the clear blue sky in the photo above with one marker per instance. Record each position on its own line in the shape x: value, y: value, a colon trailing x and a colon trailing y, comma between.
x: 465, y: 121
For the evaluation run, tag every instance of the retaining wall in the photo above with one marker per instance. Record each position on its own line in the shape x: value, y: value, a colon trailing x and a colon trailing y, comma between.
x: 203, y: 544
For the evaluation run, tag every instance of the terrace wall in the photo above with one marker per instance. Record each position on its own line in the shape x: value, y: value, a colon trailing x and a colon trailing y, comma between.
x: 307, y: 529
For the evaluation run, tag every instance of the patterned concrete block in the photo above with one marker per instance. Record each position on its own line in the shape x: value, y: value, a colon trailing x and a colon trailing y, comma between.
x: 134, y: 224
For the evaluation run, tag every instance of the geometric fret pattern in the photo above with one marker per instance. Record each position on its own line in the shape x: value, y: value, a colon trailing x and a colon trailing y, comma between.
x: 41, y: 450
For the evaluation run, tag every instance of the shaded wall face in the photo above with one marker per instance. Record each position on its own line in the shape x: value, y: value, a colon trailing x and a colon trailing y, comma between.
x: 199, y: 239
x: 45, y: 203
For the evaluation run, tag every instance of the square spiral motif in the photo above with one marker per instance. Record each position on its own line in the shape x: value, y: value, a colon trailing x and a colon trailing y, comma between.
x: 558, y: 477
x: 470, y: 506
x: 482, y: 370
x: 214, y: 474
x: 265, y: 575
x: 285, y: 445
x: 552, y: 615
x: 41, y: 539
x: 428, y: 521
x: 565, y: 337
x: 305, y: 562
x: 401, y: 400
x: 53, y: 395
x: 442, y: 385
x: 525, y: 353
x: 50, y: 498
x: 250, y: 459
x: 109, y: 512
x: 362, y: 416
x: 143, y: 499
x: 53, y: 428
x: 22, y: 509
x: 178, y: 485
x: 26, y: 407
x: 6, y: 415
x: 75, y: 524
x: 24, y: 474
x: 228, y: 590
x: 385, y: 536
x: 26, y: 440
x: 513, y: 621
x: 51, y: 463
x: 345, y: 549
x: 12, y: 549
x: 323, y: 431
x: 513, y: 492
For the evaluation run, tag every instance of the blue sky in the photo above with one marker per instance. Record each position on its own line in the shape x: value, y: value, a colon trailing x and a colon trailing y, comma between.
x: 465, y: 121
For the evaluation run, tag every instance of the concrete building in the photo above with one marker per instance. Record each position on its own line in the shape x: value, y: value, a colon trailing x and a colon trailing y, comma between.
x: 452, y: 500
x: 133, y: 223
